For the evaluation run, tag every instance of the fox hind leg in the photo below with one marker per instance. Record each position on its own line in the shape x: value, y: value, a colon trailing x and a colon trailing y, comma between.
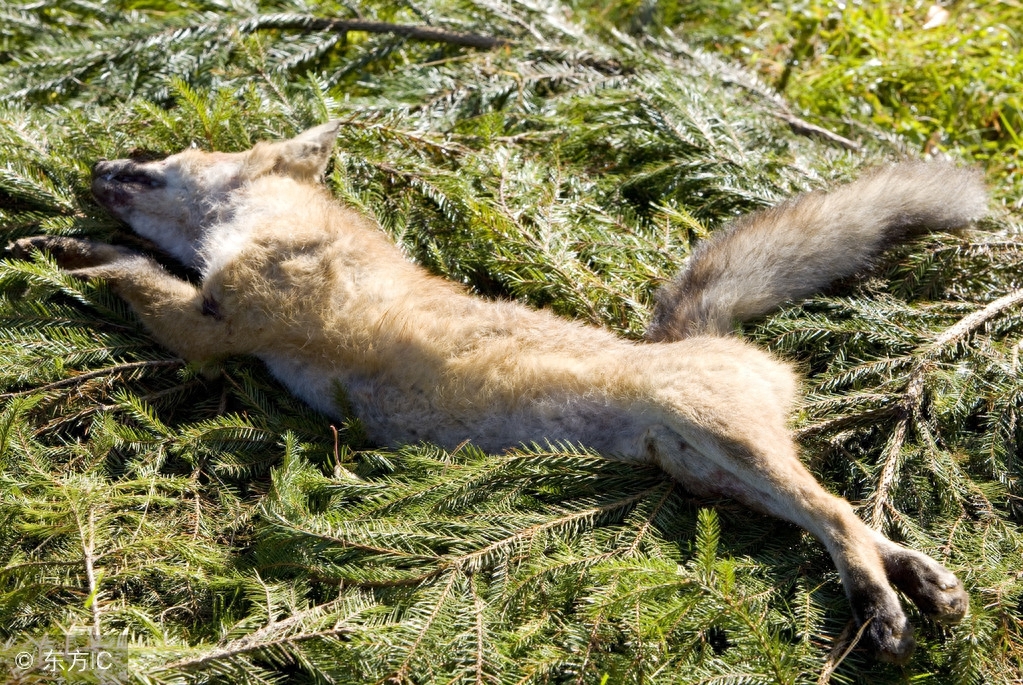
x: 770, y: 478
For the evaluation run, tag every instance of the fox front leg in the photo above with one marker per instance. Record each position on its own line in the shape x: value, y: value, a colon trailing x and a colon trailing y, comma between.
x: 175, y: 311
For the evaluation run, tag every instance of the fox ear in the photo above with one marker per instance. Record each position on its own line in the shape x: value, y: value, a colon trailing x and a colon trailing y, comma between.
x: 303, y: 157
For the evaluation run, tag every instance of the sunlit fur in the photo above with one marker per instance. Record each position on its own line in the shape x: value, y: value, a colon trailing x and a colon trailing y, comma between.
x: 337, y: 313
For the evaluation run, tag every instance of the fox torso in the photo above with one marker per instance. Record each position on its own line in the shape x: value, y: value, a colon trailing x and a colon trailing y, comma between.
x: 343, y: 319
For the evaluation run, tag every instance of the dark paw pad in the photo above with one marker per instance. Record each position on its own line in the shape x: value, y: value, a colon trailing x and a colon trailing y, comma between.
x: 887, y: 631
x: 891, y: 637
x: 944, y: 602
x: 931, y: 586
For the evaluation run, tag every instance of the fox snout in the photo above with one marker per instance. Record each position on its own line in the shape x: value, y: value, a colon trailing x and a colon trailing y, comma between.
x: 125, y: 172
x: 116, y: 182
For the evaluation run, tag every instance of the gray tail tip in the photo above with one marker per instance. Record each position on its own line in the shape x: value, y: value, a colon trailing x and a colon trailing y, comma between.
x: 960, y: 193
x: 968, y: 200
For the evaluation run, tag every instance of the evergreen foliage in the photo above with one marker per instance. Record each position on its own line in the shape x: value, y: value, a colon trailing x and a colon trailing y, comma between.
x: 201, y: 526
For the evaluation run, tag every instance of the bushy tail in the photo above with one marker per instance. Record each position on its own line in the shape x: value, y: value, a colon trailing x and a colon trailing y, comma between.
x: 794, y: 250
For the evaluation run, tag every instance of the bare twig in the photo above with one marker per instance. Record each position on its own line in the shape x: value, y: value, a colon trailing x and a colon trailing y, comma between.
x: 87, y: 536
x: 90, y: 572
x: 978, y: 318
x: 805, y: 128
x: 840, y: 650
x: 412, y: 32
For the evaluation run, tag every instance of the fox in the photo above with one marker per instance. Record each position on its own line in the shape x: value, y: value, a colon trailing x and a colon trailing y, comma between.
x: 349, y: 325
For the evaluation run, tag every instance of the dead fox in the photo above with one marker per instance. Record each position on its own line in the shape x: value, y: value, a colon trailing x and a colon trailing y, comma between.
x: 327, y: 301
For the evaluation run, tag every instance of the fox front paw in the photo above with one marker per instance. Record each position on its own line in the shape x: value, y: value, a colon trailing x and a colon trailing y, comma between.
x: 80, y: 257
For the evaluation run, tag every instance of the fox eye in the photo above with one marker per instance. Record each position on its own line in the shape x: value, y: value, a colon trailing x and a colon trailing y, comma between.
x: 142, y: 155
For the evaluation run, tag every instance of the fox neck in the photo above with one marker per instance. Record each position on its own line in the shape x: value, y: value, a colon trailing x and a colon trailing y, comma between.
x: 268, y: 201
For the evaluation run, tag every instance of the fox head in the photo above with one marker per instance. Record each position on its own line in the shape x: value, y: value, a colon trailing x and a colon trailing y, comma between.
x: 173, y: 201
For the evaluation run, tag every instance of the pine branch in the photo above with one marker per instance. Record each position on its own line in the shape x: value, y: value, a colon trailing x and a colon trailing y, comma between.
x: 556, y: 161
x: 402, y: 674
x: 747, y: 81
x: 471, y: 561
x: 274, y: 633
x: 478, y: 608
x: 345, y: 542
x: 249, y: 645
x: 108, y: 371
x: 909, y: 405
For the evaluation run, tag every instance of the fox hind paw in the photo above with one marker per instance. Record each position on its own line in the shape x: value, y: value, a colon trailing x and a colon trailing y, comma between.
x: 890, y: 635
x: 933, y: 588
x: 886, y: 630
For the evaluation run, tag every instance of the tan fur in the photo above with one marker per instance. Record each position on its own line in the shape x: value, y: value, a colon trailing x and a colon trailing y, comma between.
x: 331, y: 306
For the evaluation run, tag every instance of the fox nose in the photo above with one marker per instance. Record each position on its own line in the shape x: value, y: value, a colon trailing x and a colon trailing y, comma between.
x: 100, y: 167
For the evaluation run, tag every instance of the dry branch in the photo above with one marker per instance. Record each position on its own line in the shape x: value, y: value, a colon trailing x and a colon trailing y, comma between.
x: 410, y: 31
x: 844, y: 644
x: 805, y: 128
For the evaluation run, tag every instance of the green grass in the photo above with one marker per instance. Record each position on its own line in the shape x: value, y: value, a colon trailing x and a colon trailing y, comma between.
x: 213, y: 530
